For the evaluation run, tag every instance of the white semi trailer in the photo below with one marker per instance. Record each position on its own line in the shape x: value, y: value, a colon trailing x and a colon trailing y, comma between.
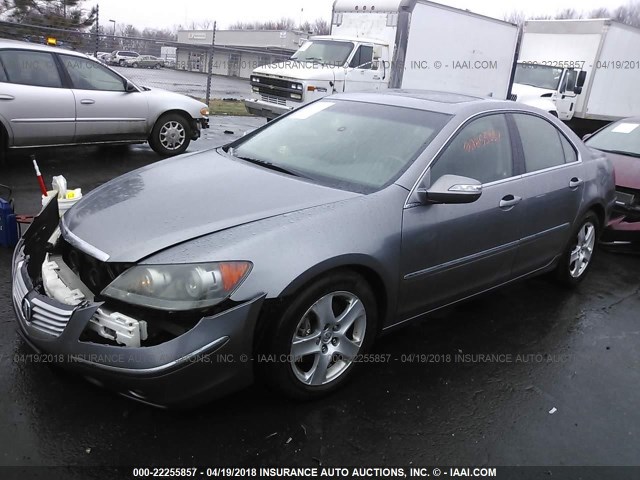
x: 380, y: 44
x: 587, y: 72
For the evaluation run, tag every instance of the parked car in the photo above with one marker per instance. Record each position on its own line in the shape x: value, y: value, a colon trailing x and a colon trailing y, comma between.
x: 291, y: 249
x: 621, y: 141
x: 54, y: 97
x: 144, y: 61
x: 119, y: 57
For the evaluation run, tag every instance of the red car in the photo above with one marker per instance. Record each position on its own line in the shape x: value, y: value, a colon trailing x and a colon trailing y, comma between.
x: 621, y: 141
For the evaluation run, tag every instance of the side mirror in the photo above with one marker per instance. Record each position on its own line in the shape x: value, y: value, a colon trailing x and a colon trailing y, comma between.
x: 130, y: 87
x: 451, y: 189
x: 582, y: 77
x: 577, y: 90
x: 587, y: 137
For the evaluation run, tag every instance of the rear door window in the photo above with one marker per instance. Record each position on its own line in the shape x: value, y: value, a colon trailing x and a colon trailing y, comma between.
x: 541, y: 143
x: 26, y: 67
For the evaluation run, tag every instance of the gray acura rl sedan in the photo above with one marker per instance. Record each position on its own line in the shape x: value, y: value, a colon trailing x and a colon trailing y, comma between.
x: 284, y: 254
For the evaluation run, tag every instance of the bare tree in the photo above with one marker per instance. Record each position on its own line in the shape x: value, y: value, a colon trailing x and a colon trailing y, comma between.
x: 321, y: 26
x: 601, y: 12
x: 629, y: 14
x: 517, y: 16
x: 568, y: 13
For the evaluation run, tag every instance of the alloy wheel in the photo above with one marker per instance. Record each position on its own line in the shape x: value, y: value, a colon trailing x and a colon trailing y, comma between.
x: 328, y: 338
x: 583, y: 250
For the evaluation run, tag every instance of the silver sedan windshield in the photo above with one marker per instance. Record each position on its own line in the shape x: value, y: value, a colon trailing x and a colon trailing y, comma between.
x: 345, y: 143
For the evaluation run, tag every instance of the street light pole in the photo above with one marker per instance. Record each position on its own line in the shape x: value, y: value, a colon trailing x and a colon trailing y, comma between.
x: 113, y: 37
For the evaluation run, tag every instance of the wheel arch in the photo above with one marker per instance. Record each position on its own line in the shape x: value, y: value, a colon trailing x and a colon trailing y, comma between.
x: 600, y: 212
x: 368, y: 268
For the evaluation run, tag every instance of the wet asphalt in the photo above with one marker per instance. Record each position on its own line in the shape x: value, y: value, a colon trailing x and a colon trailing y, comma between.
x: 532, y: 374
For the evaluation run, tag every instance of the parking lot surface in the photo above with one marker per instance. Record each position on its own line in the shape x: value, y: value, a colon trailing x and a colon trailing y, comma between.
x: 528, y: 375
x: 188, y: 83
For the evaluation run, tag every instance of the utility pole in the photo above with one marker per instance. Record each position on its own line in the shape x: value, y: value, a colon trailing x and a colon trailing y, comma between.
x: 210, y: 66
x: 95, y: 53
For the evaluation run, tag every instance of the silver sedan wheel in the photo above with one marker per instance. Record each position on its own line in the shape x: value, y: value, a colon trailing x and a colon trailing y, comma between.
x: 583, y: 250
x: 172, y: 135
x: 328, y: 338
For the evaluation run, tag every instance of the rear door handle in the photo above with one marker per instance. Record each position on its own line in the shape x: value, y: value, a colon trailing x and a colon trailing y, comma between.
x: 575, y: 182
x: 87, y: 101
x: 4, y: 96
x: 509, y: 201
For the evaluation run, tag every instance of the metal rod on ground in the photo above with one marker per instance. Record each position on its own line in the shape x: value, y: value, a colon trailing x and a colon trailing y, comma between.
x: 210, y: 66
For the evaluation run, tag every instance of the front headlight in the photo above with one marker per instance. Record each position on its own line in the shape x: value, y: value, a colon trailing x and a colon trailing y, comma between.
x: 178, y: 287
x: 204, y: 111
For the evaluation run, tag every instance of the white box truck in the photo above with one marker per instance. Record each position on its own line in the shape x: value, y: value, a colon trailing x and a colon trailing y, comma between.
x: 587, y: 72
x: 380, y: 44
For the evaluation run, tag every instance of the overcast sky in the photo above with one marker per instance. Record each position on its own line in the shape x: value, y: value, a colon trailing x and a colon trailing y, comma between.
x: 165, y: 13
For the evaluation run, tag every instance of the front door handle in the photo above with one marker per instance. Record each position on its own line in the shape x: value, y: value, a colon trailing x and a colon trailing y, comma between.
x: 87, y: 101
x: 4, y: 96
x: 575, y: 182
x: 509, y: 201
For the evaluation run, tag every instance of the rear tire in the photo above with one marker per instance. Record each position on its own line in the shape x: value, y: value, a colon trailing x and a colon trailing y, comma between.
x: 579, y: 253
x: 134, y: 65
x: 171, y: 135
x: 311, y: 343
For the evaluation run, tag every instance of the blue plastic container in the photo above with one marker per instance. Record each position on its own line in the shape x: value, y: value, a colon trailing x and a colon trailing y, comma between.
x: 8, y: 225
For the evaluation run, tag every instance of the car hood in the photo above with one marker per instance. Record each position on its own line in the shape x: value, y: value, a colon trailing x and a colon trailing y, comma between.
x: 156, y: 207
x: 627, y: 170
x: 176, y: 100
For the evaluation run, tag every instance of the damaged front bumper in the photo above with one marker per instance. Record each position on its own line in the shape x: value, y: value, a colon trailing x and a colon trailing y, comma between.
x: 209, y: 360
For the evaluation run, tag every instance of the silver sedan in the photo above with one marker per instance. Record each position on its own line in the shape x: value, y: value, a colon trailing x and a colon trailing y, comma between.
x: 58, y: 97
x: 294, y: 247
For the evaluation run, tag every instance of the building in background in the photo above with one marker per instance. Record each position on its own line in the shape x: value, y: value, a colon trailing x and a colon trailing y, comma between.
x: 237, y: 52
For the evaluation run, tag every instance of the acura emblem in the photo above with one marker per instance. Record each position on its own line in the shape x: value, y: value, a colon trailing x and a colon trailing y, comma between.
x: 26, y: 309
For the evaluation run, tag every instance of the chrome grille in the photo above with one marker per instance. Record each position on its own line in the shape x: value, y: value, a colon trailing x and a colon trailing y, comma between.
x: 48, y: 318
x: 44, y: 317
x: 20, y: 289
x: 272, y: 99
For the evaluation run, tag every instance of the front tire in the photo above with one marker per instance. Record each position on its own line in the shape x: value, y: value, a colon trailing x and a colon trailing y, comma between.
x: 314, y: 342
x: 578, y: 256
x: 171, y: 135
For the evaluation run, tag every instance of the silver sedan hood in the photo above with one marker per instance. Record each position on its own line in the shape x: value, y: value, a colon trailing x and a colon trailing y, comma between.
x: 182, y: 198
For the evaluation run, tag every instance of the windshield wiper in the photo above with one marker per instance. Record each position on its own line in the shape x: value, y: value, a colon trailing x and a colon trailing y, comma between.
x: 312, y: 59
x: 271, y: 166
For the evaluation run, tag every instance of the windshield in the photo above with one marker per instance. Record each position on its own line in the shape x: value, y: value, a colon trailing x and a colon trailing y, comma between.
x: 541, y: 76
x: 621, y: 137
x: 351, y: 145
x: 326, y: 52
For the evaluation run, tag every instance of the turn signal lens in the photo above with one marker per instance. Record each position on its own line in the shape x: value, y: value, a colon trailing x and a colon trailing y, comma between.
x: 232, y: 273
